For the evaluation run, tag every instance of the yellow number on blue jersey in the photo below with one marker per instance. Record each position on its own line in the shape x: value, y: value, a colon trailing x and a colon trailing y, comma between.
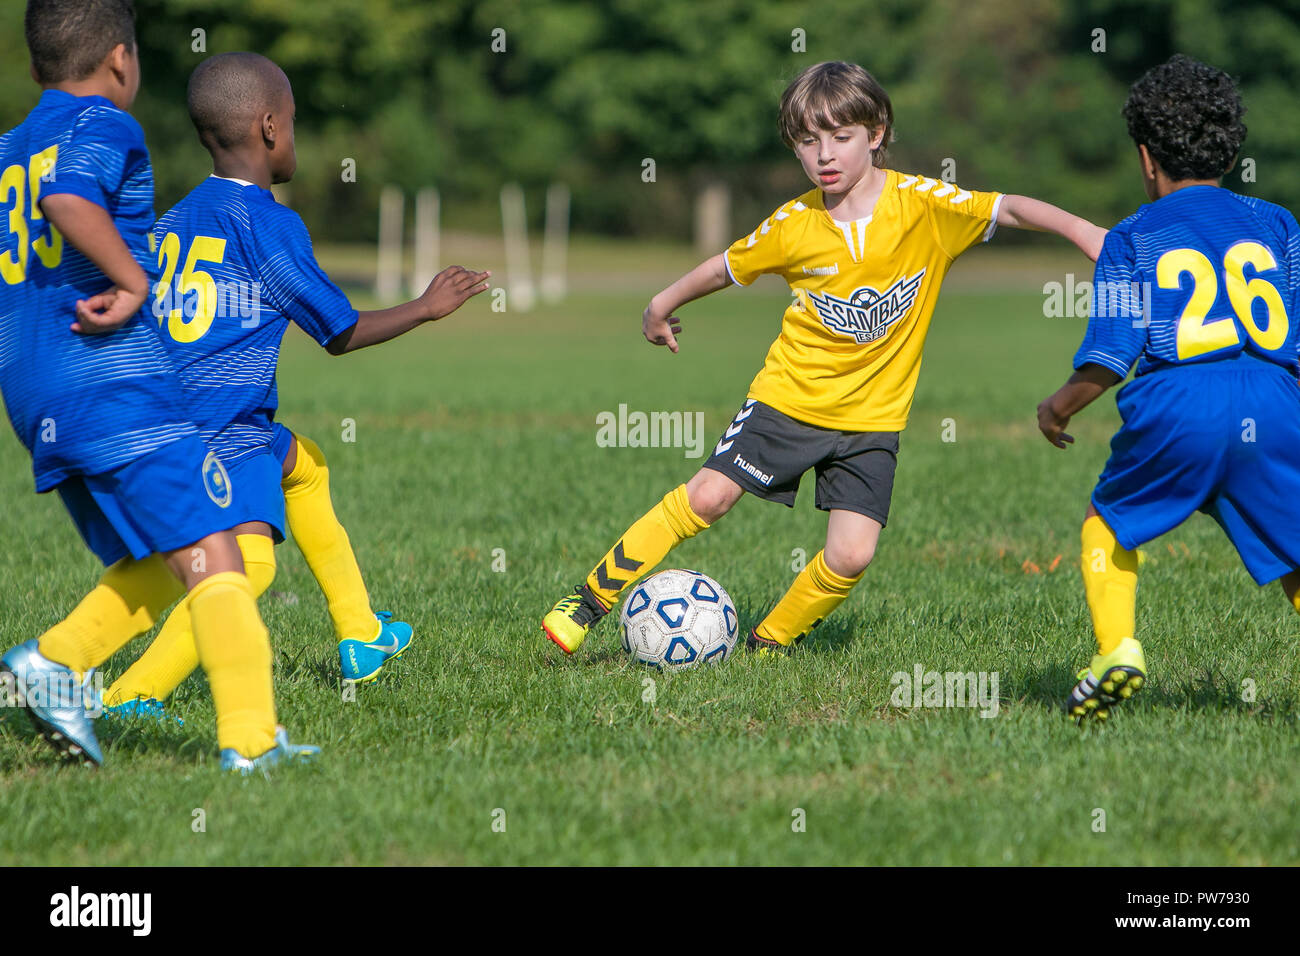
x: 49, y: 251
x: 202, y: 249
x: 25, y: 186
x: 1242, y: 294
x: 13, y: 266
x: 1199, y: 337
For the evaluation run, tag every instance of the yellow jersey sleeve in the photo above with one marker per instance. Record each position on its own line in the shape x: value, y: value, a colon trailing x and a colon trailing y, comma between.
x: 959, y: 218
x: 763, y: 250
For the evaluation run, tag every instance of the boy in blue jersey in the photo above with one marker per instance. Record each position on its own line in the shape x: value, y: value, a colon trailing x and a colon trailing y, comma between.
x: 92, y: 396
x: 236, y: 268
x: 1199, y: 288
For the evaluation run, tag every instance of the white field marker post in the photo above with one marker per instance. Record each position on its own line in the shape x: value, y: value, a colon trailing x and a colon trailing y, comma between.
x: 713, y: 219
x: 388, y: 282
x: 520, y: 294
x: 555, y: 243
x: 425, y: 266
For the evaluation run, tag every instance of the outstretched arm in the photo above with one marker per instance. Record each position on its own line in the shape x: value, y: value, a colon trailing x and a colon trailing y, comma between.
x: 658, y: 324
x: 1022, y: 212
x: 1082, y: 389
x: 447, y: 292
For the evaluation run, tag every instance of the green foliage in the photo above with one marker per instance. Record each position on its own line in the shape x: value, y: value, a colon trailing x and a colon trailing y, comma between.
x: 1011, y: 91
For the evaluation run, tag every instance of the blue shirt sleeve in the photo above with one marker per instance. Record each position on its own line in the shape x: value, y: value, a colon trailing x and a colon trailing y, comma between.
x: 1117, y: 325
x: 1292, y: 267
x: 103, y: 149
x: 295, y: 282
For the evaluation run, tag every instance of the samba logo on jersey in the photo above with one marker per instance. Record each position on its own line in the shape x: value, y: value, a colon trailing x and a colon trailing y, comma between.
x: 868, y: 314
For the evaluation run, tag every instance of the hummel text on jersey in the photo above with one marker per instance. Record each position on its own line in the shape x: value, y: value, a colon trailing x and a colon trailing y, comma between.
x: 756, y: 473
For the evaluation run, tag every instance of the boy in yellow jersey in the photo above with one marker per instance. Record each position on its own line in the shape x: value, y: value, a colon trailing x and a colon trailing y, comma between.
x: 864, y: 253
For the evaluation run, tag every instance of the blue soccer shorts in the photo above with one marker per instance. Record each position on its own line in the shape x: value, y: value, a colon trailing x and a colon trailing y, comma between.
x: 260, y: 498
x: 1221, y: 437
x: 167, y: 499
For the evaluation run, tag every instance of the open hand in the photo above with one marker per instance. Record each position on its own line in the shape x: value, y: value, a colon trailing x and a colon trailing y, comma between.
x: 107, y: 311
x: 451, y: 288
x: 1053, y: 425
x: 660, y: 330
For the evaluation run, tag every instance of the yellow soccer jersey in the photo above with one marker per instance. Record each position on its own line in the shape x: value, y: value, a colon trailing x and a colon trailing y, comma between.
x: 850, y: 346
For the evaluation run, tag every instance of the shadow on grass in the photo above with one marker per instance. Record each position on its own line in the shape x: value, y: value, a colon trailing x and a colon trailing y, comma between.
x: 606, y: 650
x: 832, y: 635
x: 1207, y: 691
x: 29, y: 752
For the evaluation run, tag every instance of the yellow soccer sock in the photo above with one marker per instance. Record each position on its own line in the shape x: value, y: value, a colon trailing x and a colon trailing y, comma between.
x: 129, y: 598
x: 814, y: 594
x: 235, y: 652
x: 325, y: 545
x: 1110, y: 584
x: 644, y: 545
x: 172, y: 656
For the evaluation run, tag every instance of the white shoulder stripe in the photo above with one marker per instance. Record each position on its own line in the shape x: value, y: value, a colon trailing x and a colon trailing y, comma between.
x: 993, y: 219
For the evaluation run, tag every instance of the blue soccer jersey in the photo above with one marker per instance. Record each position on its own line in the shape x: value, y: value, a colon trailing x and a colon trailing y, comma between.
x: 236, y: 268
x: 1201, y: 275
x: 81, y: 404
x: 1199, y: 289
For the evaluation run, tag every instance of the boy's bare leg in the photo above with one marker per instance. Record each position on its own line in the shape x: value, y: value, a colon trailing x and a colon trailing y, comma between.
x: 233, y: 646
x: 823, y: 584
x: 173, y: 656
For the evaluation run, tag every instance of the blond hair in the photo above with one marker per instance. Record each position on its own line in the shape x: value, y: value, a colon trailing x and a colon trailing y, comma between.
x: 833, y: 94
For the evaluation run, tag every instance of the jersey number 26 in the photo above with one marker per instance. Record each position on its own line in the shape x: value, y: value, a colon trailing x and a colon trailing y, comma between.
x: 1197, y: 336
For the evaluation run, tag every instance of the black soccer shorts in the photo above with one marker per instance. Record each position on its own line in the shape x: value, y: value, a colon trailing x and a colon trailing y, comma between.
x: 766, y: 452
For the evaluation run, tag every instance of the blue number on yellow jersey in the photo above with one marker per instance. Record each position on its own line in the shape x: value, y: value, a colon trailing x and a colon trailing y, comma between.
x: 1202, y: 275
x: 81, y: 404
x: 235, y: 268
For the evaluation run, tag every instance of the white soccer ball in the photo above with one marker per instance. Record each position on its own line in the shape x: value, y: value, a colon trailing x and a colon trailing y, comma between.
x: 678, y: 619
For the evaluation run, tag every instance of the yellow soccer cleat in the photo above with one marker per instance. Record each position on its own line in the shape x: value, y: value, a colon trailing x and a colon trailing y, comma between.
x: 1123, y: 673
x: 765, y: 649
x: 572, y: 617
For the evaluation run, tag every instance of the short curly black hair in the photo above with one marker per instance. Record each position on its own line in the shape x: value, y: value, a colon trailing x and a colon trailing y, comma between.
x: 1188, y: 116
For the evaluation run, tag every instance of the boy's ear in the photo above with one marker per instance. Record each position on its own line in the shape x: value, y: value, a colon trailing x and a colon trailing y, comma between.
x: 117, y: 61
x: 269, y: 130
x: 1149, y: 165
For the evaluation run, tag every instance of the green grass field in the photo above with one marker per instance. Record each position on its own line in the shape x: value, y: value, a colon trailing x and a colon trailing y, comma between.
x: 479, y: 434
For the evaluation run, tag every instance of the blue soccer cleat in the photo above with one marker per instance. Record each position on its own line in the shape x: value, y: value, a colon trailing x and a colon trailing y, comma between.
x: 361, y: 661
x: 55, y: 698
x: 232, y: 761
x: 142, y: 707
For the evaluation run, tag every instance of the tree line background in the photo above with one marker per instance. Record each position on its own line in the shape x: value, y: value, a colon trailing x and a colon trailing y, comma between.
x: 1021, y: 95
